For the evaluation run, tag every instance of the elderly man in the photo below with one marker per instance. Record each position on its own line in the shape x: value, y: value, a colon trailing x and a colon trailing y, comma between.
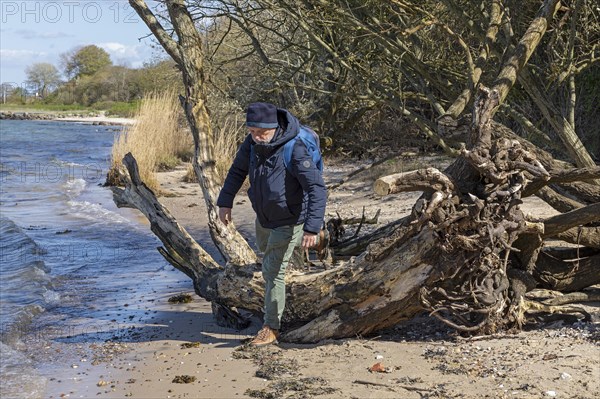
x: 288, y: 198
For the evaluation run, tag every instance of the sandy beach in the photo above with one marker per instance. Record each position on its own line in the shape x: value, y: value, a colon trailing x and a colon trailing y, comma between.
x: 94, y: 118
x: 105, y: 120
x: 176, y: 350
x: 100, y: 119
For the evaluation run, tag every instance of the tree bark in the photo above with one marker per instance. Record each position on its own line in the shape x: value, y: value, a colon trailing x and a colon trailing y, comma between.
x: 428, y: 180
x: 568, y: 269
x: 515, y: 63
x: 582, y: 216
x: 187, y: 52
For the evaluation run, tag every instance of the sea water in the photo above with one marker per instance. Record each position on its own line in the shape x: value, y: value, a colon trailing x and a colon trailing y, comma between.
x: 69, y: 258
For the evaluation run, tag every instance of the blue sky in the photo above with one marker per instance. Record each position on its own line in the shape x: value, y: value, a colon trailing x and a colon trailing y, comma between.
x: 40, y: 30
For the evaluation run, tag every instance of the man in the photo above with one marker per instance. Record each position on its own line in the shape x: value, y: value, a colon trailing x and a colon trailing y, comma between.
x: 289, y: 202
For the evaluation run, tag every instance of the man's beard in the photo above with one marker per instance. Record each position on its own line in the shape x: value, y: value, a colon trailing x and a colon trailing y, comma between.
x: 263, y: 141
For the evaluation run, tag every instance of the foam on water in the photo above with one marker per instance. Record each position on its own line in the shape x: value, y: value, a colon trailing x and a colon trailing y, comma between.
x: 74, y: 187
x: 60, y: 162
x: 95, y: 212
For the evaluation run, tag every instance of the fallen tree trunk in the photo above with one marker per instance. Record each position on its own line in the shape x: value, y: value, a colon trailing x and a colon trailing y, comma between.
x: 334, y: 303
x: 466, y: 253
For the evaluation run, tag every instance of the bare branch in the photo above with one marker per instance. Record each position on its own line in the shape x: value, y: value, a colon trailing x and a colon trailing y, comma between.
x: 515, y: 63
x: 157, y: 29
x: 188, y: 255
x: 579, y: 217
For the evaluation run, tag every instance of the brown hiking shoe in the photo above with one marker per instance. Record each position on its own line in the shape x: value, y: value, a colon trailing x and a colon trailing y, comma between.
x: 266, y: 336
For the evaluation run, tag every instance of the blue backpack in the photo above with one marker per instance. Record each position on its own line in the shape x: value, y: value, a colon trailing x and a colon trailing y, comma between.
x: 311, y: 141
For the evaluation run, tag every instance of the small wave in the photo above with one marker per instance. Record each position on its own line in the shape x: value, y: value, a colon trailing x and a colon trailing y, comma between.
x: 18, y: 249
x: 27, y: 288
x: 14, y: 241
x: 60, y: 162
x: 19, y: 323
x: 74, y: 187
x: 96, y: 212
x: 25, y: 268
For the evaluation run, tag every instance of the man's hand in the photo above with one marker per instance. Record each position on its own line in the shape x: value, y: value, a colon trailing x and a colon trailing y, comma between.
x: 309, y: 240
x: 225, y: 215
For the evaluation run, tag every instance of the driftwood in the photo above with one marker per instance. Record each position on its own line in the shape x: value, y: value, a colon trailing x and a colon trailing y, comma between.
x: 452, y: 256
x: 336, y: 228
x: 466, y: 253
x: 585, y: 296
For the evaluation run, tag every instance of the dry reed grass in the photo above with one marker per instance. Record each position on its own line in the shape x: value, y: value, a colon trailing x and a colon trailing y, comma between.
x: 155, y: 140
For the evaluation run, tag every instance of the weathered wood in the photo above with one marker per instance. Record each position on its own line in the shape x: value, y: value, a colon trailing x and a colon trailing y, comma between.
x: 427, y: 180
x: 565, y: 176
x: 368, y: 295
x: 582, y: 192
x: 335, y: 303
x: 578, y: 217
x: 586, y: 236
x: 521, y: 53
x: 568, y: 269
x: 181, y: 249
x: 557, y: 201
x: 592, y: 295
x: 529, y: 247
x: 587, y: 192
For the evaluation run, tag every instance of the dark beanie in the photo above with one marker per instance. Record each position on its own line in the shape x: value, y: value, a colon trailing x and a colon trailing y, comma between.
x: 263, y: 115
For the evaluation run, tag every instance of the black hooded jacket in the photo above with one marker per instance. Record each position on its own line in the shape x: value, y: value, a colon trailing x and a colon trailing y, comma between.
x: 278, y: 197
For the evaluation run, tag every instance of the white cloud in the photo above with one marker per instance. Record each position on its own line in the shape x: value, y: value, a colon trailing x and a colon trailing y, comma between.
x: 122, y: 54
x: 118, y: 48
x: 20, y: 55
x: 30, y: 34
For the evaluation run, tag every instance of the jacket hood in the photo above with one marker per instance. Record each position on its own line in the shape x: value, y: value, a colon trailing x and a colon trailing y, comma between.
x: 289, y: 126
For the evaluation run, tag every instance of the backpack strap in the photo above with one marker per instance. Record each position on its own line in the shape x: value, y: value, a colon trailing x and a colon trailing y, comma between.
x: 288, y: 148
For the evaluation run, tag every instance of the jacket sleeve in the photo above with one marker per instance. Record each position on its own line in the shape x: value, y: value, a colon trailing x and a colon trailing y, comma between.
x: 311, y: 180
x: 236, y: 175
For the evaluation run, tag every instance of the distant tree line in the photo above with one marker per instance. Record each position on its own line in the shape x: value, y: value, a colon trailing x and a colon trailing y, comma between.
x: 91, y: 80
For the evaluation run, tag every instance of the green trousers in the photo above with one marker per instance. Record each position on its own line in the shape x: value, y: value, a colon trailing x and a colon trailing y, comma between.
x: 277, y: 245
